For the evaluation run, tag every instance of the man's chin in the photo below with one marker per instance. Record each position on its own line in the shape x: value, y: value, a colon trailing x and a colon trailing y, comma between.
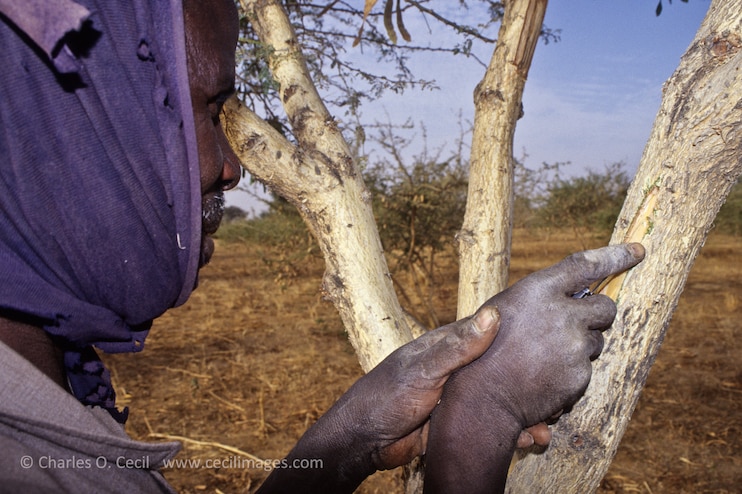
x: 207, y: 250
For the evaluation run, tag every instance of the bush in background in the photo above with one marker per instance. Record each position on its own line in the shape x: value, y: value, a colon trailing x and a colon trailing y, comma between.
x: 729, y: 219
x: 585, y: 204
x: 280, y: 225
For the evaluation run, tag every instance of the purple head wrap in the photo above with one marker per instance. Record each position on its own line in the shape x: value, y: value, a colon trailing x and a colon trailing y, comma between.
x: 100, y: 207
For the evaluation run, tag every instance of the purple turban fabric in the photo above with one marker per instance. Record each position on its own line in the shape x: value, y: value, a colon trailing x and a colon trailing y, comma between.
x: 100, y: 207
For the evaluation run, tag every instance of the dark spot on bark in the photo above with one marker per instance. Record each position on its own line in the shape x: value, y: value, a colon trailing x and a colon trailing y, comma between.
x: 720, y: 47
x: 290, y: 91
x: 334, y: 170
x: 724, y: 46
x: 349, y: 166
x: 250, y: 143
x: 577, y: 442
x: 299, y: 119
x: 337, y: 281
x: 331, y: 123
x: 489, y: 94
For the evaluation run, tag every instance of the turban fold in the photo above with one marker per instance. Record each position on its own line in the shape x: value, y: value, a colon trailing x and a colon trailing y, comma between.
x: 100, y: 206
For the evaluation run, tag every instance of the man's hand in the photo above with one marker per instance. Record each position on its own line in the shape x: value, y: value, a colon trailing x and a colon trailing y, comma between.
x: 390, y: 407
x: 381, y: 422
x: 538, y: 365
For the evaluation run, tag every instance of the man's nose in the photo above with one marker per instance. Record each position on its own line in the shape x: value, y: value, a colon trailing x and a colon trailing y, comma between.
x: 231, y: 168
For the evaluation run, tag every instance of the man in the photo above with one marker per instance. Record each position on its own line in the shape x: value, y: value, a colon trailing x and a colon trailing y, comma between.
x: 113, y: 165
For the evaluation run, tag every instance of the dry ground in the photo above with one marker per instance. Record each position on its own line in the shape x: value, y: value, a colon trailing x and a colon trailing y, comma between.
x: 256, y: 356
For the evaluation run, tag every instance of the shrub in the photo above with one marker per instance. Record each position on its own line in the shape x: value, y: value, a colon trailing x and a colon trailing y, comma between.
x: 729, y: 219
x: 585, y: 204
x: 280, y: 225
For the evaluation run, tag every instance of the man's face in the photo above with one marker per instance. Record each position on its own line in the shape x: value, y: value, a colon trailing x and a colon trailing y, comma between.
x: 211, y: 36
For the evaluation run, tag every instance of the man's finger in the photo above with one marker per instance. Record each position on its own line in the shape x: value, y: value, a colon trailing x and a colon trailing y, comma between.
x: 596, y: 312
x: 462, y: 343
x: 596, y: 341
x: 582, y: 269
x: 540, y: 433
x: 525, y: 440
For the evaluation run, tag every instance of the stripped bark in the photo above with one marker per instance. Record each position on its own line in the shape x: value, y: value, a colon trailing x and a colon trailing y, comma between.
x: 691, y: 161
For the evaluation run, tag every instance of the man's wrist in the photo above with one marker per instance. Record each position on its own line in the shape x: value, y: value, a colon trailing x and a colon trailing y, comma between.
x: 467, y: 449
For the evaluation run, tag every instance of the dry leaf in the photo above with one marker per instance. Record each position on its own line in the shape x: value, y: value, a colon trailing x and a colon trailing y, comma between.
x: 388, y: 24
x: 400, y: 24
x: 366, y: 10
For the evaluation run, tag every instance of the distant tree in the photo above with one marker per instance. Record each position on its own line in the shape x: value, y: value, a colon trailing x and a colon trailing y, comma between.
x: 233, y: 213
x: 418, y: 208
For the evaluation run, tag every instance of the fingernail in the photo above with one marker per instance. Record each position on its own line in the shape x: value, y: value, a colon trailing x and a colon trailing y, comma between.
x: 486, y: 318
x: 637, y: 250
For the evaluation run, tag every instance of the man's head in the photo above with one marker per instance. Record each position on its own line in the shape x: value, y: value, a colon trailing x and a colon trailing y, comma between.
x: 99, y: 226
x: 211, y: 28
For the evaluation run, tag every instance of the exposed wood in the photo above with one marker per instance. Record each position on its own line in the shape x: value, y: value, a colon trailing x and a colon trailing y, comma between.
x: 690, y: 163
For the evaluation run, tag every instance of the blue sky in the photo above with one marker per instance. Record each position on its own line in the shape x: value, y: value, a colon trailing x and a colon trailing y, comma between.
x: 590, y: 98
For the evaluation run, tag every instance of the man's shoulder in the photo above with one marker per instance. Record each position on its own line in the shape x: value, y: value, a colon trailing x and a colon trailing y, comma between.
x: 50, y: 442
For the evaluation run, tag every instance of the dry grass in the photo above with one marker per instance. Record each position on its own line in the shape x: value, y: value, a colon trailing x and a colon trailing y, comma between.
x: 256, y: 356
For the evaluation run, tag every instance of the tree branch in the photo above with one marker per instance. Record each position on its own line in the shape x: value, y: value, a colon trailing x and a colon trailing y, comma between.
x: 485, y: 237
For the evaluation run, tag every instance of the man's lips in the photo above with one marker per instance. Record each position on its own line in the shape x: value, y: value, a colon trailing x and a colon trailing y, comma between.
x: 212, y: 210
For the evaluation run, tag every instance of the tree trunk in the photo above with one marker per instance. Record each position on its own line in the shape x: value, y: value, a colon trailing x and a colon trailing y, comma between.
x: 320, y: 178
x: 485, y: 237
x: 690, y: 164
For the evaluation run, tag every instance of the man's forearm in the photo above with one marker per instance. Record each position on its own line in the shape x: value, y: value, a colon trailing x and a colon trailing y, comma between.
x: 325, y: 460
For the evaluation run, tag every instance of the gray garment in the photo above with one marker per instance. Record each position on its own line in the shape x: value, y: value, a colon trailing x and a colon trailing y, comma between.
x: 50, y: 442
